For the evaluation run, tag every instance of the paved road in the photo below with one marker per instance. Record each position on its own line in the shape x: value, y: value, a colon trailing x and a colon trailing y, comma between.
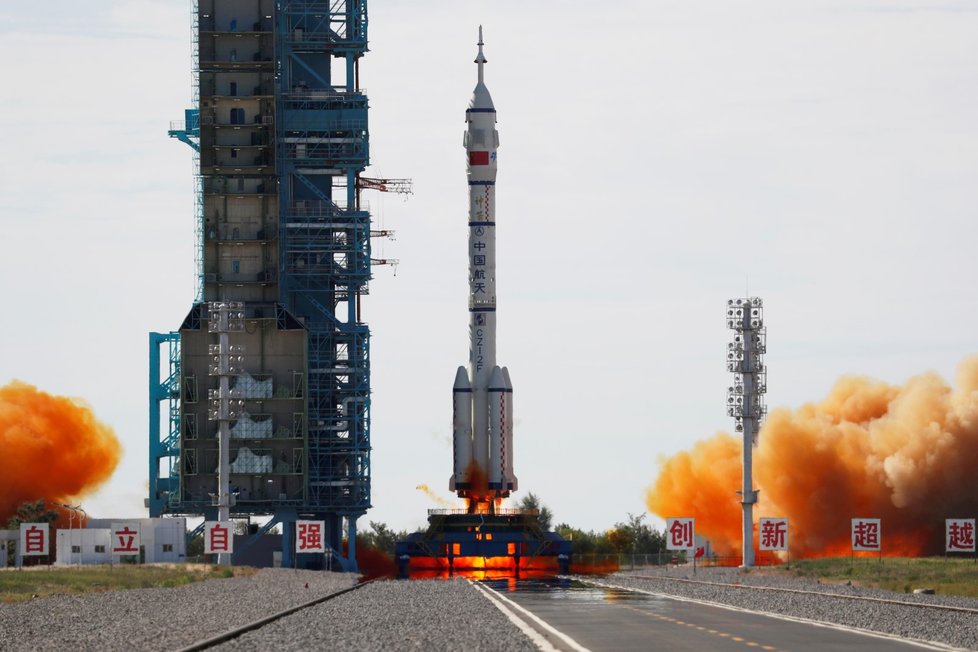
x: 609, y: 619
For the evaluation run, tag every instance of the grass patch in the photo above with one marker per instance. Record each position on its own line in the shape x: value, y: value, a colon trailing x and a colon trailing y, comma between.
x: 902, y: 574
x: 43, y: 581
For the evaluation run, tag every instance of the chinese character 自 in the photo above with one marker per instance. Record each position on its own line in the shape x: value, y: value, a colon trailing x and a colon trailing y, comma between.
x: 219, y: 538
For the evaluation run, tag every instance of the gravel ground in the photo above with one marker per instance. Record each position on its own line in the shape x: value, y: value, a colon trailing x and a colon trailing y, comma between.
x: 395, y: 615
x: 428, y: 615
x: 384, y: 615
x: 158, y: 619
x: 955, y: 629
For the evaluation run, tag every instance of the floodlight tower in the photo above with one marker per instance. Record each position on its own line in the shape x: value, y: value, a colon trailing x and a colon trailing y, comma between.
x: 745, y: 399
x: 225, y: 404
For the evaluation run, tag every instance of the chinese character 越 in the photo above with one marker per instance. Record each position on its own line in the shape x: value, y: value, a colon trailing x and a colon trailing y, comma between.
x: 960, y: 534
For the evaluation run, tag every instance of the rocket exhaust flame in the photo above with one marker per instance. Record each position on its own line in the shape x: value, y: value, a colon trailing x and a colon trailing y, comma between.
x: 905, y: 454
x: 53, y: 448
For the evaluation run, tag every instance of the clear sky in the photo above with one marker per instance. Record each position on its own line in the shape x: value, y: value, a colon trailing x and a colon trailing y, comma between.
x: 657, y: 158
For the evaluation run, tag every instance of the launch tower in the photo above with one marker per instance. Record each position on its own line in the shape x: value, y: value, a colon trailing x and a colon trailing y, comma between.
x: 279, y: 131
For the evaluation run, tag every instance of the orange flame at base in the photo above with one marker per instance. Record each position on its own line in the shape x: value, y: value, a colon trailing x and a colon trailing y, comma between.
x: 483, y: 567
x: 479, y: 498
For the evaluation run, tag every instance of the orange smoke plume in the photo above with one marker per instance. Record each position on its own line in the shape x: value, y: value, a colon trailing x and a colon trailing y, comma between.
x: 444, y: 502
x: 904, y: 454
x: 53, y: 448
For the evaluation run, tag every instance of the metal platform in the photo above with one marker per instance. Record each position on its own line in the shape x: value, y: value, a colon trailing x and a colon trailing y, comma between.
x: 460, y: 541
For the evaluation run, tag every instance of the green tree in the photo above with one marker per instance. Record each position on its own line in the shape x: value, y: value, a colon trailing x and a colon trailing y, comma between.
x: 195, y: 547
x: 531, y: 502
x: 621, y: 539
x: 32, y: 512
x: 380, y: 537
x: 641, y: 537
x: 585, y: 542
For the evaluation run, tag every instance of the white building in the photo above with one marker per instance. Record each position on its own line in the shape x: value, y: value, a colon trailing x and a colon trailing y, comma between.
x: 83, y: 546
x: 161, y: 540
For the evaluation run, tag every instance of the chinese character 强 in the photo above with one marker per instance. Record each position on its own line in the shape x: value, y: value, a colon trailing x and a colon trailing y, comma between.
x: 310, y: 536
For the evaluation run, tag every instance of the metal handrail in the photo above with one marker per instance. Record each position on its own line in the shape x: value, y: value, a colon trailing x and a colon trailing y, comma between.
x: 503, y: 511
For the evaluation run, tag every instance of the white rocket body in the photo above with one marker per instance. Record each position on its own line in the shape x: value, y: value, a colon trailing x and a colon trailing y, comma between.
x: 483, y: 429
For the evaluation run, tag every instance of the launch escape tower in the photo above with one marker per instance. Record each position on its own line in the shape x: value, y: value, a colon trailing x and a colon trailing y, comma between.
x: 279, y: 131
x: 745, y: 399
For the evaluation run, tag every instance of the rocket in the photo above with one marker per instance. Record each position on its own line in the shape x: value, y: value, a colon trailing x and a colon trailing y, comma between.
x: 482, y: 396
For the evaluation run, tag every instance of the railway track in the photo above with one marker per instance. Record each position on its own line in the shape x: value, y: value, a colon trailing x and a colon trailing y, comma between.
x: 232, y: 634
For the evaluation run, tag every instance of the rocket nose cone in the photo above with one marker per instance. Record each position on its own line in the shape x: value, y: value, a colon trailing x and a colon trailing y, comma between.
x: 496, y: 379
x: 506, y: 381
x: 462, y: 379
x: 481, y: 99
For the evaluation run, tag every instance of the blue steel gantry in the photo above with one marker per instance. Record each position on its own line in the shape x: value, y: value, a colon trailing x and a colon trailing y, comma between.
x: 279, y: 129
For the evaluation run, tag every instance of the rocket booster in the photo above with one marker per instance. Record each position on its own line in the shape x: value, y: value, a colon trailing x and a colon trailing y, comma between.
x: 483, y: 394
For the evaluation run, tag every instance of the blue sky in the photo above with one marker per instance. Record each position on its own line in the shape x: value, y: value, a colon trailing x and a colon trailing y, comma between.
x: 656, y: 158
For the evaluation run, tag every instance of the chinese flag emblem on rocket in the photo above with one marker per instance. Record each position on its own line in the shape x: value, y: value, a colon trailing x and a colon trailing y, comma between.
x: 478, y: 158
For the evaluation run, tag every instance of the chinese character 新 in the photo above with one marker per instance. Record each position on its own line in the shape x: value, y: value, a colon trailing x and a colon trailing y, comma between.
x: 310, y: 536
x: 774, y: 534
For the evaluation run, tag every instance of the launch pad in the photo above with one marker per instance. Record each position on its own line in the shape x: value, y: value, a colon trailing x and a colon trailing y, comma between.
x: 509, y: 540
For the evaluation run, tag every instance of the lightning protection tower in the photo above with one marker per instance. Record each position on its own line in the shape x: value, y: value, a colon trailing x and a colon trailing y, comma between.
x: 745, y: 398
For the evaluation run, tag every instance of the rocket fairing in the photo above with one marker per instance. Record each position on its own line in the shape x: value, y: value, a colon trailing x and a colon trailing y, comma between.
x: 482, y: 395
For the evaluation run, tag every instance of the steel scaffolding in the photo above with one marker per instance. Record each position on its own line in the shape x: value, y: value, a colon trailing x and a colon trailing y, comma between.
x: 280, y: 138
x: 322, y: 147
